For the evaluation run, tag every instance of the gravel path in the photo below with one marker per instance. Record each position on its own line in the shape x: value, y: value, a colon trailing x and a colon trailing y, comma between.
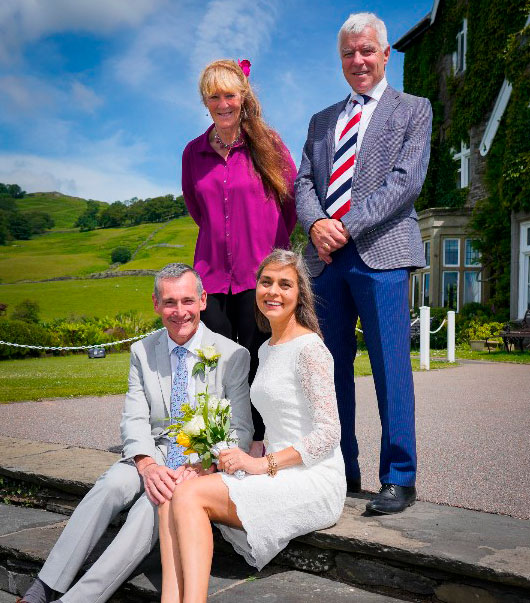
x: 473, y: 426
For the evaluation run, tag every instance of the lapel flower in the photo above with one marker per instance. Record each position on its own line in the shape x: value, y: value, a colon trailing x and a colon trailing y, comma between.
x: 208, y: 360
x: 245, y: 66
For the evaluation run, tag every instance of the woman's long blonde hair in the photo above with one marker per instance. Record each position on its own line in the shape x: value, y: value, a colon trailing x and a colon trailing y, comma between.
x: 305, y: 309
x: 264, y: 143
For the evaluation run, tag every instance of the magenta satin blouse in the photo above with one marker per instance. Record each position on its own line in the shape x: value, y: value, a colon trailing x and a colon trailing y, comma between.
x: 239, y: 224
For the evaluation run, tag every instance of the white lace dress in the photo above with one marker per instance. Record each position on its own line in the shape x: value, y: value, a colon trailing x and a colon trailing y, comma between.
x: 294, y: 392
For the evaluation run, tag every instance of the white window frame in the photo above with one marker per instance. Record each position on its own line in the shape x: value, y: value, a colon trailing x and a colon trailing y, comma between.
x: 478, y: 264
x: 479, y: 300
x: 459, y: 56
x: 457, y: 288
x: 463, y: 157
x: 427, y: 243
x: 424, y: 275
x: 415, y: 281
x: 457, y: 265
x: 524, y: 268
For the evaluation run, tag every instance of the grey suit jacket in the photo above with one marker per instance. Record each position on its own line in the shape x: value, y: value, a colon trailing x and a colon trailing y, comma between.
x: 147, y: 403
x: 389, y: 172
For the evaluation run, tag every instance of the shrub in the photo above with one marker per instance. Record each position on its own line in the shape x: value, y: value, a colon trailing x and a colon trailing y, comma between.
x: 120, y: 255
x: 18, y: 331
x: 483, y: 330
x: 27, y: 311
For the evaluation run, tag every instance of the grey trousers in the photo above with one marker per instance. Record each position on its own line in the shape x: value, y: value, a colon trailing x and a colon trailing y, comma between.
x: 113, y: 492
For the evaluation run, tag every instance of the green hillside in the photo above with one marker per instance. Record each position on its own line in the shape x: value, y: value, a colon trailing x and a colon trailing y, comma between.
x: 62, y: 208
x: 56, y: 254
x: 76, y: 253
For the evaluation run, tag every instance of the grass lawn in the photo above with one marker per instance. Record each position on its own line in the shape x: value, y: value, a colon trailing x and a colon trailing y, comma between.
x: 497, y: 356
x: 97, y: 297
x: 63, y: 376
x: 66, y: 376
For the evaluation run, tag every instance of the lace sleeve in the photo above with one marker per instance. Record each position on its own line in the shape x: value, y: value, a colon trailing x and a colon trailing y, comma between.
x: 315, y: 372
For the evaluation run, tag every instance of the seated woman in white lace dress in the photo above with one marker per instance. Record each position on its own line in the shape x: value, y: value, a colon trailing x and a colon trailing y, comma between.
x: 299, y: 486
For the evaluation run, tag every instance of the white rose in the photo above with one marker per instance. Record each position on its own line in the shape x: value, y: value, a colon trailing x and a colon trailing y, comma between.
x: 209, y: 352
x: 194, y: 426
x: 224, y: 403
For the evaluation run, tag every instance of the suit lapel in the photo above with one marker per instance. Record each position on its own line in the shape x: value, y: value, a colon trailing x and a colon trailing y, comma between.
x: 338, y: 109
x: 385, y: 107
x: 163, y: 366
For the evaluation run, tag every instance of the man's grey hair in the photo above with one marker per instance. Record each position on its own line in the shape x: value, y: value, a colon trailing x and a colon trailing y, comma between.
x: 175, y: 271
x: 356, y: 23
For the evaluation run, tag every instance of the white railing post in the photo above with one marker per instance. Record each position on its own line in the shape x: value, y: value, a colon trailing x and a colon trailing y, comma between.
x: 425, y: 337
x: 451, y: 336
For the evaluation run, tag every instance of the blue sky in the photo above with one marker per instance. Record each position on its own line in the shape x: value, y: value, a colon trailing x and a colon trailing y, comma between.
x: 99, y: 97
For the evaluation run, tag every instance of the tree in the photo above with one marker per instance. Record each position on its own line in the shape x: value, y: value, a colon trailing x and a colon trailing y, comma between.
x: 27, y: 311
x: 12, y: 190
x: 120, y: 255
x: 40, y: 221
x: 19, y: 226
x: 4, y: 227
x: 113, y: 216
x: 88, y: 220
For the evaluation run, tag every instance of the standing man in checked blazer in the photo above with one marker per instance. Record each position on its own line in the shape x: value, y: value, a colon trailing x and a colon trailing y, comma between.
x: 363, y: 165
x: 141, y: 480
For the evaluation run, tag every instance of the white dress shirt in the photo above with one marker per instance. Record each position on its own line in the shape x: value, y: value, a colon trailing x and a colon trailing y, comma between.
x: 191, y: 358
x: 375, y: 94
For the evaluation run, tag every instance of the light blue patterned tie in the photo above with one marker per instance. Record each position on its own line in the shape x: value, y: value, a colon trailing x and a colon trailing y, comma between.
x: 179, y: 393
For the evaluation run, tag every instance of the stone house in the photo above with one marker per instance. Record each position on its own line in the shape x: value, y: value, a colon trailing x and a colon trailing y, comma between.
x: 437, y: 64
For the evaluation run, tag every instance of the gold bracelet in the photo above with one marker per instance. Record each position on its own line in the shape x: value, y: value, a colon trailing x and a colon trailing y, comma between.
x: 273, y: 465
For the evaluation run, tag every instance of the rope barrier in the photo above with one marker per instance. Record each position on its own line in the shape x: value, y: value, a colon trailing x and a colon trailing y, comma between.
x: 78, y: 347
x: 360, y: 331
x: 443, y: 322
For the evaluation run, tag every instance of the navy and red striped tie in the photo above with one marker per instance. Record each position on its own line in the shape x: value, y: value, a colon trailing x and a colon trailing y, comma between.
x: 338, y: 198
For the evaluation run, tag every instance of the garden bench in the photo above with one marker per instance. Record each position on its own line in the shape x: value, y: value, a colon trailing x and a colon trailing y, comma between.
x: 517, y: 334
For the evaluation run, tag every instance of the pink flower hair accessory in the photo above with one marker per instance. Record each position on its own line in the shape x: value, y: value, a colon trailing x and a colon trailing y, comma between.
x: 245, y: 65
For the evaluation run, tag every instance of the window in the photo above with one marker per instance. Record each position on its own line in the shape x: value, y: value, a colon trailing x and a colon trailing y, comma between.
x: 463, y: 169
x: 451, y: 252
x: 415, y: 293
x: 472, y: 254
x: 471, y: 287
x: 427, y: 250
x: 450, y: 290
x: 459, y: 57
x: 524, y: 269
x: 426, y: 288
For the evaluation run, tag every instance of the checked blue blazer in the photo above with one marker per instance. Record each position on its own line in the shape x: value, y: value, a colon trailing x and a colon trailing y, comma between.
x: 387, y: 178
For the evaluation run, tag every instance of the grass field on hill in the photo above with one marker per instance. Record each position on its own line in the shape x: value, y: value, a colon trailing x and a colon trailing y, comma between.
x: 62, y: 208
x: 79, y: 253
x: 97, y: 297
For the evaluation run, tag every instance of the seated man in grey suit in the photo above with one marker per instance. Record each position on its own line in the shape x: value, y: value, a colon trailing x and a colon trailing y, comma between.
x: 141, y: 480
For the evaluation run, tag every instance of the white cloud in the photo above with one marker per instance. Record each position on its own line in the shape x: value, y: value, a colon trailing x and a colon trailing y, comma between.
x: 85, y: 98
x: 233, y: 28
x: 106, y: 177
x: 22, y: 21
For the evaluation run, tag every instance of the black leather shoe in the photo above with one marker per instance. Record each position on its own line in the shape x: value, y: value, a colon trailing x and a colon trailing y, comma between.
x: 353, y: 486
x: 392, y: 499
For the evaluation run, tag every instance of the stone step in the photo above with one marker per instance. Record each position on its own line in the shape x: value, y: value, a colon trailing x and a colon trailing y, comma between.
x: 429, y: 552
x: 27, y: 535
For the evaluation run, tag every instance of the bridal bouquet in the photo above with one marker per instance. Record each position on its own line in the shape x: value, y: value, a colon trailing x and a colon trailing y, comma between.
x: 204, y: 429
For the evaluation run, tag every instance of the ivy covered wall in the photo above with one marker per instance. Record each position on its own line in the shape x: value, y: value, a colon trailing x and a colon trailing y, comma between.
x: 497, y: 47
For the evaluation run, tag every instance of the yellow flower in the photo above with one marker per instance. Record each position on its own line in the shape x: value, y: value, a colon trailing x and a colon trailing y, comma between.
x: 183, y: 439
x: 189, y: 451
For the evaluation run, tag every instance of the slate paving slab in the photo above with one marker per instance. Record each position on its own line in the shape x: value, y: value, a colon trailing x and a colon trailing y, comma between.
x: 14, y: 519
x: 295, y: 587
x: 7, y: 597
x: 476, y: 544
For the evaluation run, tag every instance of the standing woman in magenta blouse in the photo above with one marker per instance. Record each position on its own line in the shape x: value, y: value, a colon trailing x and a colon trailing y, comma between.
x: 238, y: 184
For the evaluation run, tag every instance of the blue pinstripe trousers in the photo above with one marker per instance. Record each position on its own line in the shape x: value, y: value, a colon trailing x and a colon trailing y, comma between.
x: 348, y: 288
